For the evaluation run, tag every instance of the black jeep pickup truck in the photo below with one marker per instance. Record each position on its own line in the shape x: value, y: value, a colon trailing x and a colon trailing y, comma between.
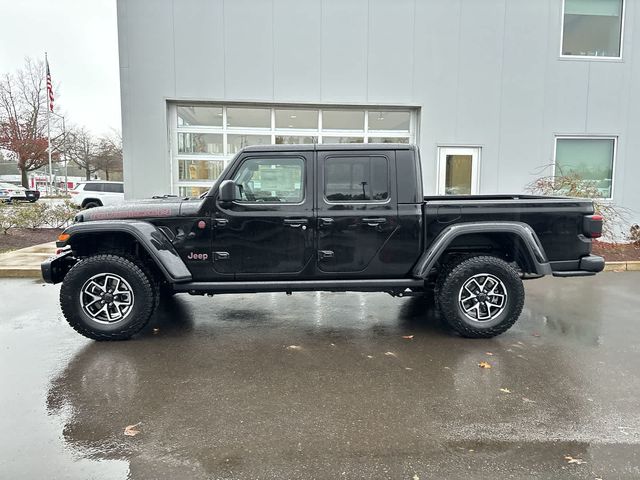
x: 288, y: 218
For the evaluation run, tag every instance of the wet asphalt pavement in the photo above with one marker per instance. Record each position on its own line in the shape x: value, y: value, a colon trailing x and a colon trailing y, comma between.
x: 325, y: 386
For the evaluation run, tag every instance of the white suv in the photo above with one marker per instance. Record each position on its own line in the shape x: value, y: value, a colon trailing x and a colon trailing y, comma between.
x: 97, y: 194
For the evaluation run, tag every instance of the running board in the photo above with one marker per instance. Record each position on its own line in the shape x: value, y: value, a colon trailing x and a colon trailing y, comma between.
x: 376, y: 285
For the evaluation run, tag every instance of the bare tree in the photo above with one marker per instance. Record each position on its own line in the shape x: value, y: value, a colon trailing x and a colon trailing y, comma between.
x: 109, y: 156
x: 82, y: 149
x: 23, y: 104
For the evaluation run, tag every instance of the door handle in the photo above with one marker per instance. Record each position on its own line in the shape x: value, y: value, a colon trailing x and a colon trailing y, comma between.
x: 220, y: 222
x: 324, y: 254
x: 325, y: 221
x: 374, y: 222
x: 296, y: 222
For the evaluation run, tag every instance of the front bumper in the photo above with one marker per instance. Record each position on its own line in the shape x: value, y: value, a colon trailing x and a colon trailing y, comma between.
x: 55, y: 268
x: 589, y: 265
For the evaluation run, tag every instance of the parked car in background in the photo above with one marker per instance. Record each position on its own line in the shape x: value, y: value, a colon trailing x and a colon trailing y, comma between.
x: 97, y: 194
x: 10, y: 193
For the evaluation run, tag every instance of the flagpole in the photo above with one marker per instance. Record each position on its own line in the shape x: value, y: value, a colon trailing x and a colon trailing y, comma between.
x: 50, y: 189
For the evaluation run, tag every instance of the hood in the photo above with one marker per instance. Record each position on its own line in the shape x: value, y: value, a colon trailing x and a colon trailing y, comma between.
x: 144, y: 209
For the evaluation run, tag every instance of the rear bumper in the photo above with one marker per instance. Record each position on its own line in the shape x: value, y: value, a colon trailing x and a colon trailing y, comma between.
x: 589, y: 265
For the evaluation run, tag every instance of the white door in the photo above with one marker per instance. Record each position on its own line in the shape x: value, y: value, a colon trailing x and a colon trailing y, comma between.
x: 458, y: 170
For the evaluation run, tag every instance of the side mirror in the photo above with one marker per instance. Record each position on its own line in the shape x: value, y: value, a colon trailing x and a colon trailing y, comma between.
x: 227, y: 191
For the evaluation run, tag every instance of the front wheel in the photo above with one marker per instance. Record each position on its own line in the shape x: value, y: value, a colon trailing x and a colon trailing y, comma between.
x: 108, y: 297
x: 480, y: 297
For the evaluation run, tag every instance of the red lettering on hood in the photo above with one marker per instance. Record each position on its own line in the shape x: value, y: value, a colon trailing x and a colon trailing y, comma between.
x: 130, y: 213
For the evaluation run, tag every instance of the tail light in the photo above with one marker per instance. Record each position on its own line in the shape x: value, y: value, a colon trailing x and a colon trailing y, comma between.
x: 592, y: 226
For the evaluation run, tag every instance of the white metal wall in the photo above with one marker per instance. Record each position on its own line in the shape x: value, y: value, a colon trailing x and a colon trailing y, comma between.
x: 483, y: 72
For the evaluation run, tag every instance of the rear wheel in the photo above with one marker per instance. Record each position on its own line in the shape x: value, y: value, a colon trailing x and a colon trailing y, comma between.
x: 108, y: 297
x: 480, y: 296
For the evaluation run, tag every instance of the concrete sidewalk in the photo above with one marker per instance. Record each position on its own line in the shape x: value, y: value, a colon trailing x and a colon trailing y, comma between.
x: 26, y: 261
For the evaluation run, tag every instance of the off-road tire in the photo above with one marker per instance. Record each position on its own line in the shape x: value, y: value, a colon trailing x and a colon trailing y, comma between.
x: 144, y: 288
x: 452, y: 280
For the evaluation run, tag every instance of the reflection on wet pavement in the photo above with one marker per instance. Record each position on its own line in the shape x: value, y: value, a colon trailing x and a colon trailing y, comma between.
x: 314, y: 385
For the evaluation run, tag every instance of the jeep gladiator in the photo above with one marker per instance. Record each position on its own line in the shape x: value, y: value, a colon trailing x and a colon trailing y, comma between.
x: 285, y: 218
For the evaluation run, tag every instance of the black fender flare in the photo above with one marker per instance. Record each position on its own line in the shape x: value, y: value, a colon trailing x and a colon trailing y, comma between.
x: 536, y: 253
x: 155, y: 243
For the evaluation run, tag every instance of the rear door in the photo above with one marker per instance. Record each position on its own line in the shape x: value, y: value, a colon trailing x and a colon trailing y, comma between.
x: 357, y: 211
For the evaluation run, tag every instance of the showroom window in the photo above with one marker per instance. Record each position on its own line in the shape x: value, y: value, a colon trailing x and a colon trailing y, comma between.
x: 206, y: 137
x: 593, y: 28
x: 589, y: 158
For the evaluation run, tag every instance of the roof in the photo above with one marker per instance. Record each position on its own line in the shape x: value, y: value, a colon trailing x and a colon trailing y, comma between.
x: 329, y: 146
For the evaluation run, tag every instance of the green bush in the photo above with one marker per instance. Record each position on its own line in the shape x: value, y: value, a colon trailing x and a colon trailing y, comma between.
x: 35, y: 215
x: 60, y: 215
x: 7, y: 218
x: 32, y: 215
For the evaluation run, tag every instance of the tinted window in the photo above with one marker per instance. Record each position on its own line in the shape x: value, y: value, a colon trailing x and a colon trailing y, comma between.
x: 356, y: 179
x: 271, y: 180
x: 113, y: 188
x: 93, y: 187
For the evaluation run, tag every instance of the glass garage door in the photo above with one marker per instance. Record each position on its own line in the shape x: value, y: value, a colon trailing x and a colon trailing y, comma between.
x: 205, y: 136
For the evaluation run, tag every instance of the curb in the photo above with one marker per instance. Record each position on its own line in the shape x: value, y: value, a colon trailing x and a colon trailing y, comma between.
x: 20, y: 272
x: 630, y: 266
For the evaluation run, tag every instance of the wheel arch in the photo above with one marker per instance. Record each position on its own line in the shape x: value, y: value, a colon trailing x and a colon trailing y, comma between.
x: 141, y: 239
x: 90, y: 200
x: 515, y: 240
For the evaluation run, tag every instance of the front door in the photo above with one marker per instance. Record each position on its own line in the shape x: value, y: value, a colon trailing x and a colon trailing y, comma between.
x: 269, y: 229
x: 357, y: 211
x: 458, y: 170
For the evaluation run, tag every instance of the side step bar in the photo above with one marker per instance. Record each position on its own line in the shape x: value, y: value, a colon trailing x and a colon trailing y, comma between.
x: 375, y: 285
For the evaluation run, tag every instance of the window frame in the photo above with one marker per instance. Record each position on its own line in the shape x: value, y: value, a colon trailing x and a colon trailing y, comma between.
x: 592, y: 58
x: 590, y: 137
x: 355, y: 202
x: 272, y: 157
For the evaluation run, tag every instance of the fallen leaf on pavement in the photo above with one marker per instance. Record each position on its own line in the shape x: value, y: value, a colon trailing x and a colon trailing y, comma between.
x: 294, y: 347
x: 369, y: 356
x: 489, y: 353
x: 408, y: 368
x: 415, y: 477
x: 408, y: 337
x: 390, y: 354
x: 535, y: 334
x: 505, y: 390
x: 528, y: 400
x: 577, y: 461
x: 132, y: 430
x: 484, y: 365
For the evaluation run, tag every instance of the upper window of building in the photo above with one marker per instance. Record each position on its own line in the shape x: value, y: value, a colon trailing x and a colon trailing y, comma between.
x: 590, y: 160
x: 356, y: 179
x: 206, y: 136
x: 592, y: 28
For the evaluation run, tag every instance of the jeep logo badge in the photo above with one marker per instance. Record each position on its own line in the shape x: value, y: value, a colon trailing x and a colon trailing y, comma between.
x: 197, y: 256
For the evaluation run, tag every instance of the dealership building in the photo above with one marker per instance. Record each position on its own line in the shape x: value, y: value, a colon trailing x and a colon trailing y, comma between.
x: 496, y: 93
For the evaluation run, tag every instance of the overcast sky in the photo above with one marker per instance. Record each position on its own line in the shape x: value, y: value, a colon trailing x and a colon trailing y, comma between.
x: 81, y: 39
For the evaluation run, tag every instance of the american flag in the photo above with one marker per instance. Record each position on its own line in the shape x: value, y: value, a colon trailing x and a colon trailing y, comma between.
x: 49, y: 88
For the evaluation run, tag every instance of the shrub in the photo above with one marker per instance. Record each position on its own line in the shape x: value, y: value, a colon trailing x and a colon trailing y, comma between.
x: 8, y: 218
x: 60, y: 214
x: 32, y: 215
x: 572, y: 185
